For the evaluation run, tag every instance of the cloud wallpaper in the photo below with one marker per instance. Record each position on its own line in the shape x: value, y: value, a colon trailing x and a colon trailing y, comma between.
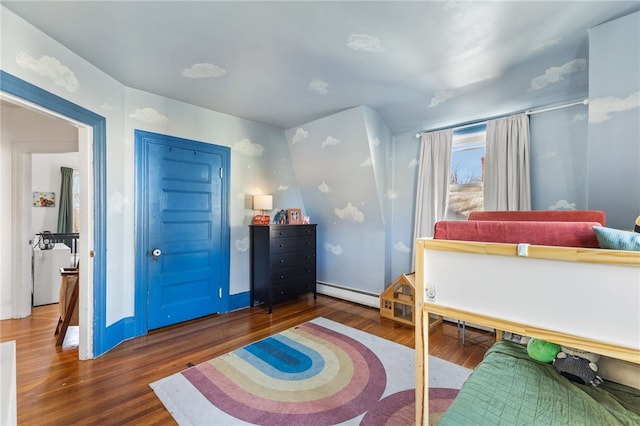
x: 347, y: 171
x: 335, y: 164
x: 614, y: 120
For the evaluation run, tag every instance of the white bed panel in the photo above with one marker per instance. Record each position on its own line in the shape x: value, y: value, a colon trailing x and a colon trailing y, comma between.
x: 599, y: 301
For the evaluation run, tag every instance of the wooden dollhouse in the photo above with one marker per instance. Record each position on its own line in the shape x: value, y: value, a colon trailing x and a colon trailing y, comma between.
x: 397, y: 302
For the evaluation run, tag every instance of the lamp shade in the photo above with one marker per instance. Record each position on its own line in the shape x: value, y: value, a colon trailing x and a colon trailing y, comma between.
x: 262, y: 202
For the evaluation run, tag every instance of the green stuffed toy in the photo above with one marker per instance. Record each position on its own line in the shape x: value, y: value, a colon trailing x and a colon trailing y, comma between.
x: 542, y: 351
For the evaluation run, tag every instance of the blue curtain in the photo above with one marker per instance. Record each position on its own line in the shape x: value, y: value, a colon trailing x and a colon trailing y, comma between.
x: 65, y: 214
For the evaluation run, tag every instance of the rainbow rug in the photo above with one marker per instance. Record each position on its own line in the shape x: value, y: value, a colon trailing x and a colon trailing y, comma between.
x: 318, y: 373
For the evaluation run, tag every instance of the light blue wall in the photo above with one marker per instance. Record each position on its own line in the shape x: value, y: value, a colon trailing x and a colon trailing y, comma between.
x: 403, y: 180
x: 559, y: 142
x: 614, y: 120
x: 347, y: 171
x: 260, y: 161
x: 340, y: 171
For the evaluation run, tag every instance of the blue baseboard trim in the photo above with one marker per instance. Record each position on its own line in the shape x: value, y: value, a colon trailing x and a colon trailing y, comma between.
x: 118, y: 332
x: 239, y: 301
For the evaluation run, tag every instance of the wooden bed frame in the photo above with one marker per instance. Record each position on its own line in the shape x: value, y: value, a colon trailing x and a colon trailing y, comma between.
x: 524, y: 289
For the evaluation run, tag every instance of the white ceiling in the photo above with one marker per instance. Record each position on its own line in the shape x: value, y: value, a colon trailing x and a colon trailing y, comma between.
x: 419, y: 64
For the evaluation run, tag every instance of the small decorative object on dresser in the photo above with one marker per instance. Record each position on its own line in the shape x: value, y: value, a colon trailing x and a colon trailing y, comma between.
x: 295, y: 216
x: 280, y: 218
x: 283, y: 262
x: 262, y: 203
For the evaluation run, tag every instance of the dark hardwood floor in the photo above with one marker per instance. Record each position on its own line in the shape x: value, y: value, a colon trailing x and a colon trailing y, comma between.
x: 55, y: 388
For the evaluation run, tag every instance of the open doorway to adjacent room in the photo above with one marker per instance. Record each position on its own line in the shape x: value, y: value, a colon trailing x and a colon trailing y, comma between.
x: 39, y: 139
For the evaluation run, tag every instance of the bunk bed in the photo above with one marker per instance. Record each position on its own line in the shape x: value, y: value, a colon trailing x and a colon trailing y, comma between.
x: 584, y: 298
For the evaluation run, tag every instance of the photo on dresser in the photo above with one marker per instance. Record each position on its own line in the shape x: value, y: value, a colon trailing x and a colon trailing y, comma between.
x: 295, y: 216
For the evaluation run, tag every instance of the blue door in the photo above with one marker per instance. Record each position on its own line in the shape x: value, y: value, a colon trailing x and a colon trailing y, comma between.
x: 187, y: 238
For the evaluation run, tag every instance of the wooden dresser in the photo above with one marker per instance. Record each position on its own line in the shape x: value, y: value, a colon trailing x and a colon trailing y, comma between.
x: 283, y: 262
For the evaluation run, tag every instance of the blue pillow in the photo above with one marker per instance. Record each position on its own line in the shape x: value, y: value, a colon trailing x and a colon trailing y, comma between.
x: 616, y: 239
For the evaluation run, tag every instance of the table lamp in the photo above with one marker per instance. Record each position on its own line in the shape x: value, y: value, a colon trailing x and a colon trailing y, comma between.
x: 262, y: 203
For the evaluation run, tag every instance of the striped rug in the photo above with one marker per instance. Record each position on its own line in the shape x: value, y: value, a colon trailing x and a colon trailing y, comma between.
x: 318, y: 373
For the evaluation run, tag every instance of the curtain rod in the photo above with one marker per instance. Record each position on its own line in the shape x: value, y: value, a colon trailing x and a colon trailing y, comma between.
x: 528, y: 112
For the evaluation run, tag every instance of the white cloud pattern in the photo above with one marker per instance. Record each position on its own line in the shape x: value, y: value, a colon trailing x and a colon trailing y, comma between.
x: 547, y: 155
x: 391, y: 194
x: 364, y: 43
x: 117, y: 202
x: 441, y: 97
x: 319, y: 86
x: 334, y: 249
x: 148, y: 115
x: 283, y: 188
x: 242, y: 244
x: 204, y: 70
x: 546, y: 44
x: 323, y: 187
x: 350, y: 213
x: 555, y: 74
x: 563, y: 205
x: 413, y: 163
x: 248, y: 148
x: 401, y: 247
x: 601, y: 109
x: 49, y: 67
x: 367, y: 163
x: 300, y: 134
x: 330, y: 140
x: 579, y: 117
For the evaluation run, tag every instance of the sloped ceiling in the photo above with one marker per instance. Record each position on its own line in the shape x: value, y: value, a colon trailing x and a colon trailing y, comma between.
x: 417, y: 64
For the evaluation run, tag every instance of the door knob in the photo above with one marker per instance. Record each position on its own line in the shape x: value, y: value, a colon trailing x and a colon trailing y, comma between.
x: 156, y: 253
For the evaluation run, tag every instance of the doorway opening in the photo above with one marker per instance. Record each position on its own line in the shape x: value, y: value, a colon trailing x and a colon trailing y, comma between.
x: 91, y: 143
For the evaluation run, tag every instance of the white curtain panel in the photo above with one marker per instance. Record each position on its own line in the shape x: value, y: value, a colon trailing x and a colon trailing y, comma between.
x: 507, y: 184
x: 433, y: 181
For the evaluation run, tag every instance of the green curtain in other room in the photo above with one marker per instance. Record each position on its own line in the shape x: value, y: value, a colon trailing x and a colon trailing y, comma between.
x: 65, y: 214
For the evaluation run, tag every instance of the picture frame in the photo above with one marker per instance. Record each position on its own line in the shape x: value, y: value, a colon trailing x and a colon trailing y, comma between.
x: 294, y: 216
x: 44, y: 199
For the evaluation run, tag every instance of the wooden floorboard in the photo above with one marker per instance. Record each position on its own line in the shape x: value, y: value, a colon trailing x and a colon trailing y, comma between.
x: 55, y: 388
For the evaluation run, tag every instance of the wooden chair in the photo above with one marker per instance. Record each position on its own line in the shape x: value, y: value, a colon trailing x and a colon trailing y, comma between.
x: 68, y: 305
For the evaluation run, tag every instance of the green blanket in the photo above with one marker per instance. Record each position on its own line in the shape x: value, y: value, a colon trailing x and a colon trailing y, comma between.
x: 509, y: 388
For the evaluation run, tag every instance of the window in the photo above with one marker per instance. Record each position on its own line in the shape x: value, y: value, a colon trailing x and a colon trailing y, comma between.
x: 76, y: 201
x: 466, y: 177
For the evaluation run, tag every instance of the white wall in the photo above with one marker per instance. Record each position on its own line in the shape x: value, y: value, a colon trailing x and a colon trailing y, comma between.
x: 24, y: 128
x: 45, y: 177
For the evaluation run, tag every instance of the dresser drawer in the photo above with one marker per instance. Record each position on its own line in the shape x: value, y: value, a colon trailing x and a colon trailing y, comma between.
x: 286, y: 291
x: 281, y: 245
x: 291, y: 260
x: 292, y: 231
x: 294, y: 275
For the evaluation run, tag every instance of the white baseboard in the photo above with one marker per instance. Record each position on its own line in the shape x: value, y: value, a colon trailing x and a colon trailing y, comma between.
x: 8, y: 389
x: 6, y: 310
x: 356, y: 296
